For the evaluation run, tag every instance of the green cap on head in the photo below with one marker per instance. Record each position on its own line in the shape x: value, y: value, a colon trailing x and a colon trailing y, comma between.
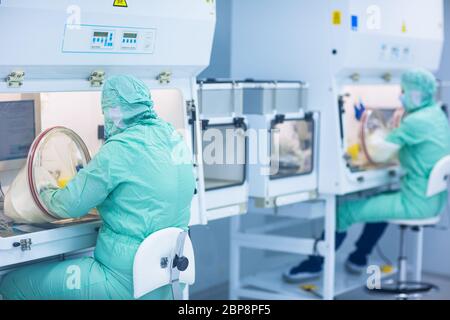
x: 126, y: 101
x: 419, y: 87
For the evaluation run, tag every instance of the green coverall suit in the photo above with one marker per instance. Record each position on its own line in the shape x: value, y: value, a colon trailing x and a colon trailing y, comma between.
x: 140, y: 183
x: 424, y: 139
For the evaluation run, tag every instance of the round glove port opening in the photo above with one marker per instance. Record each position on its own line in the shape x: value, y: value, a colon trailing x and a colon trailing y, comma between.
x: 55, y: 157
x: 376, y: 127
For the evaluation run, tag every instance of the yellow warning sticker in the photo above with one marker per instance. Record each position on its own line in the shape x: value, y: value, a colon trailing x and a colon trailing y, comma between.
x: 337, y: 18
x: 404, y: 28
x: 120, y: 3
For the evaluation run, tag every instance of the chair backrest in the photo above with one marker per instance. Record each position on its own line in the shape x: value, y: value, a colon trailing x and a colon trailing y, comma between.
x: 154, y: 264
x: 439, y: 177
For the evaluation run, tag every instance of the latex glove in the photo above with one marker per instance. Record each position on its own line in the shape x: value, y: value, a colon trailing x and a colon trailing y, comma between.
x: 380, y: 150
x: 44, y: 179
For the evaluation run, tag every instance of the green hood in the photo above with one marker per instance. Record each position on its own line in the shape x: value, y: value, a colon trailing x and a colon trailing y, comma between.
x: 126, y: 102
x: 419, y: 89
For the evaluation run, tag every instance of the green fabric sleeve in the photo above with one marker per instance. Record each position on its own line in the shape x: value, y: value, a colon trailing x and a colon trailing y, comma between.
x: 90, y: 187
x: 404, y: 135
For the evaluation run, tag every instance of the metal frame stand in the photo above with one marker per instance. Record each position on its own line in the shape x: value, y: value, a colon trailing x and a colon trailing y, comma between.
x: 306, y: 246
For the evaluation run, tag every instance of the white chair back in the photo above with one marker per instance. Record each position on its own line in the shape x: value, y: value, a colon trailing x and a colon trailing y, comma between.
x: 439, y: 177
x: 164, y: 258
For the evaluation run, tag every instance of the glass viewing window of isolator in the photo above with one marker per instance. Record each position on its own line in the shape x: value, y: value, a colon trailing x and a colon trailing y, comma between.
x: 55, y: 157
x: 376, y: 126
x: 292, y: 147
x: 368, y: 113
x: 224, y: 154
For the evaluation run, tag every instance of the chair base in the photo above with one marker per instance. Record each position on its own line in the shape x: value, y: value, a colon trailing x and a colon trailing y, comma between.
x: 404, y: 289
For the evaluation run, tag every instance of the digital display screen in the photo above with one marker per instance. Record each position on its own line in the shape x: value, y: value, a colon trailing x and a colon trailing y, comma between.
x: 17, y: 129
x: 101, y: 34
x: 130, y: 35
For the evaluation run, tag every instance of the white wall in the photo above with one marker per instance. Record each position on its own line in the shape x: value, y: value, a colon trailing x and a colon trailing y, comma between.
x: 437, y: 241
x: 220, y: 66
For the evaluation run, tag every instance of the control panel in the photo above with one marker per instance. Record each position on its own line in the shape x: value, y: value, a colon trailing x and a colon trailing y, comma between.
x: 395, y: 53
x: 129, y: 40
x: 103, y: 39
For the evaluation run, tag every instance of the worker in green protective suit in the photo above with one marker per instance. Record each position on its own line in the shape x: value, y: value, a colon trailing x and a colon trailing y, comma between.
x: 139, y: 186
x: 423, y: 138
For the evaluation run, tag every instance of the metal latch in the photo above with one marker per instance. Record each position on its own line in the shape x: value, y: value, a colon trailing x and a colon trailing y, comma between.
x: 387, y: 77
x: 355, y: 77
x: 164, y: 77
x: 97, y: 78
x: 15, y: 79
x: 205, y: 124
x: 279, y: 119
x: 239, y: 122
x: 190, y: 109
x: 309, y: 116
x: 392, y: 173
x: 24, y: 244
x: 190, y: 106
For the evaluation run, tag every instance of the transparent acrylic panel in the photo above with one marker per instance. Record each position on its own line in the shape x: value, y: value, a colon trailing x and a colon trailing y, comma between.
x: 292, y: 149
x: 55, y: 157
x: 82, y: 112
x: 19, y: 125
x: 62, y: 154
x: 78, y: 111
x: 367, y: 107
x: 376, y: 126
x: 170, y: 106
x: 224, y: 156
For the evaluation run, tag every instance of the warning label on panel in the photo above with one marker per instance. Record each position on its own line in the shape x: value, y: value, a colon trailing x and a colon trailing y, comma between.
x: 120, y: 3
x: 337, y: 18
